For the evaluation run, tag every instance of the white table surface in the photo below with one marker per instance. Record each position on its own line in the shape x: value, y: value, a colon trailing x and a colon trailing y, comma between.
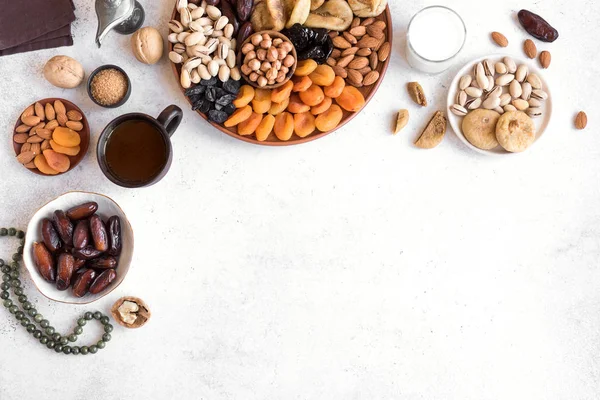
x: 353, y: 267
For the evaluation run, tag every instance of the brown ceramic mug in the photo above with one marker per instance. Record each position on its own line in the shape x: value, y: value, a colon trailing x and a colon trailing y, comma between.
x: 134, y: 150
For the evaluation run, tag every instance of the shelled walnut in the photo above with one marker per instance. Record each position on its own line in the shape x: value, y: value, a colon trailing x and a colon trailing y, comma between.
x: 130, y: 312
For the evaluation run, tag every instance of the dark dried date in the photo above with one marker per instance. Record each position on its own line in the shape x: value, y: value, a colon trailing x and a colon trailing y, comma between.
x: 107, y: 262
x: 227, y: 10
x: 244, y: 9
x: 99, y: 235
x: 82, y: 211
x: 537, y: 26
x: 87, y: 253
x: 115, y: 240
x: 78, y: 263
x: 83, y: 282
x: 64, y: 271
x: 102, y: 281
x: 212, y: 2
x: 63, y: 226
x: 44, y: 262
x: 81, y: 235
x: 50, y: 236
x: 245, y: 32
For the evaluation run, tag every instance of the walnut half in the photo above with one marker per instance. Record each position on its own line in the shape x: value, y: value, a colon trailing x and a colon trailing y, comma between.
x: 130, y: 312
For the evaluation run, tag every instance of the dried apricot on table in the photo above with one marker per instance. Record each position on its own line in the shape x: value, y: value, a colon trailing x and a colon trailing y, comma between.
x: 301, y: 83
x: 66, y: 137
x: 245, y: 96
x: 41, y: 164
x: 336, y: 87
x: 239, y: 115
x: 330, y: 119
x: 351, y: 99
x: 296, y: 105
x: 262, y: 101
x: 248, y: 126
x: 304, y: 124
x: 321, y: 107
x: 323, y: 75
x: 284, y: 126
x: 264, y: 129
x: 278, y: 108
x: 305, y: 67
x: 56, y: 161
x: 312, y: 96
x: 281, y: 93
x: 70, y: 151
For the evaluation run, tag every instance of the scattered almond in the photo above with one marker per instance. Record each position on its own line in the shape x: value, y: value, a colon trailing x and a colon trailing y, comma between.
x: 355, y: 22
x: 530, y: 49
x: 401, y: 120
x: 581, y: 120
x: 545, y: 59
x: 380, y: 24
x: 500, y: 39
x: 74, y: 115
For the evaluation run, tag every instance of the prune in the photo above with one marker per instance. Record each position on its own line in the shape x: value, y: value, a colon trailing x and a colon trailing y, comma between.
x: 209, y: 82
x: 316, y: 53
x: 88, y: 253
x: 81, y: 235
x: 102, y: 281
x: 103, y: 263
x: 198, y: 104
x: 244, y: 9
x: 319, y: 35
x: 64, y: 271
x: 232, y: 86
x: 244, y: 33
x: 115, y: 240
x: 299, y: 36
x: 63, y: 226
x: 50, y: 236
x: 99, y: 235
x: 310, y: 43
x: 227, y: 10
x: 195, y: 90
x: 44, y: 262
x: 211, y: 94
x: 82, y: 211
x: 226, y: 99
x: 537, y: 26
x: 83, y: 282
x: 217, y: 116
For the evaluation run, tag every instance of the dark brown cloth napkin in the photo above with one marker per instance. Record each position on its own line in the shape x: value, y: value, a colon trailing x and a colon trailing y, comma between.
x: 34, y: 25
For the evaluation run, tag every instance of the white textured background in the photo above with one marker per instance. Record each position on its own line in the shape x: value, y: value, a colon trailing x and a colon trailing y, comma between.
x: 353, y: 267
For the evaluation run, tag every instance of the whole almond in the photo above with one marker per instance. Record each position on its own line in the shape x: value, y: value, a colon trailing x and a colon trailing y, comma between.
x: 381, y: 42
x: 545, y: 59
x: 75, y: 125
x: 581, y: 120
x: 44, y: 133
x: 367, y: 42
x: 373, y: 60
x: 331, y: 62
x: 20, y: 137
x: 39, y: 111
x: 62, y: 119
x: 336, y: 53
x: 74, y: 115
x: 366, y: 52
x: 344, y: 61
x: 26, y: 147
x: 31, y: 120
x: 367, y: 21
x: 380, y: 24
x: 59, y: 107
x: 365, y: 70
x: 350, y: 38
x: 354, y: 77
x: 30, y: 165
x: 384, y: 52
x: 35, y: 139
x: 49, y: 111
x: 370, y: 78
x: 358, y: 31
x: 340, y: 71
x: 341, y: 43
x: 500, y: 39
x: 22, y: 128
x: 35, y: 148
x: 358, y: 63
x: 333, y: 34
x: 25, y: 157
x: 349, y: 52
x: 45, y: 145
x: 530, y: 49
x: 33, y: 130
x: 375, y: 31
x: 355, y: 22
x: 51, y: 125
x: 29, y: 111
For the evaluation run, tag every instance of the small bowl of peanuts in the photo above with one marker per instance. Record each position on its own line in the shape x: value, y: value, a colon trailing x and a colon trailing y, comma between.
x: 268, y: 59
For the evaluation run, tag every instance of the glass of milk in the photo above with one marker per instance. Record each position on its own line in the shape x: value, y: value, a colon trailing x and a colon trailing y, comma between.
x: 434, y: 38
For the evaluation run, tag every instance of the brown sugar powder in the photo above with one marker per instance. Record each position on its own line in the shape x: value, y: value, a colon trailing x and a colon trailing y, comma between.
x: 109, y: 86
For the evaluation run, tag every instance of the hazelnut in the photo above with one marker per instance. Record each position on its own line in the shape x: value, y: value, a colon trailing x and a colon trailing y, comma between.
x: 265, y: 44
x: 247, y: 48
x: 266, y: 36
x: 287, y: 46
x: 277, y: 41
x: 261, y: 54
x: 265, y: 66
x: 256, y: 39
x: 253, y: 76
x: 277, y: 65
x: 130, y: 312
x: 262, y: 81
x: 281, y: 53
x: 288, y: 61
x: 251, y: 55
x: 245, y: 69
x: 254, y: 65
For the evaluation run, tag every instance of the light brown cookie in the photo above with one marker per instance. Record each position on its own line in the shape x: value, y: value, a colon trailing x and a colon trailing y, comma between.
x: 479, y: 127
x: 515, y: 131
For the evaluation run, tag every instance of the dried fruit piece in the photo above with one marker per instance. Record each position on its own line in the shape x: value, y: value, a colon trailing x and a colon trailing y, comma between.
x: 57, y: 161
x: 321, y: 107
x: 433, y: 133
x: 284, y: 126
x: 304, y: 124
x: 278, y: 108
x: 244, y: 97
x: 239, y: 115
x: 106, y: 262
x: 530, y: 49
x: 479, y: 128
x: 323, y: 75
x: 42, y: 165
x: 417, y: 94
x: 99, y: 235
x: 537, y: 26
x: 500, y: 39
x: 401, y: 120
x: 262, y: 101
x: 330, y: 119
x: 296, y: 105
x: 312, y: 96
x: 301, y: 83
x: 248, y: 126
x: 83, y: 282
x: 65, y: 269
x: 44, y: 262
x: 82, y: 211
x: 336, y: 87
x: 50, y: 236
x: 581, y: 120
x: 102, y: 281
x: 87, y: 253
x: 115, y: 240
x: 351, y: 99
x: 63, y: 226
x: 69, y: 151
x: 81, y: 234
x: 279, y: 94
x: 264, y: 129
x: 305, y: 67
x: 66, y: 137
x: 515, y: 131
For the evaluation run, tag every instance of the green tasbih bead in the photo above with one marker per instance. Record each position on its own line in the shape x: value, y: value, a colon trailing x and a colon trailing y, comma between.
x: 44, y: 333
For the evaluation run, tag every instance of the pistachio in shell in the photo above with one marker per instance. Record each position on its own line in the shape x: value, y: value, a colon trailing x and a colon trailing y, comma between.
x: 130, y: 312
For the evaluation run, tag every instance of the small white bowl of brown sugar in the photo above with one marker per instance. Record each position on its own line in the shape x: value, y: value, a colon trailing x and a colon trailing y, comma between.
x: 109, y: 86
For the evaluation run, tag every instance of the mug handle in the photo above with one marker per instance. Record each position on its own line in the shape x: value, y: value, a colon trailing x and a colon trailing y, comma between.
x: 170, y: 118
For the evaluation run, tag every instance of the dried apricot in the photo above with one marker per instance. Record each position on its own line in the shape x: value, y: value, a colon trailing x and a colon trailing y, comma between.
x: 329, y: 119
x: 301, y: 83
x: 323, y: 75
x: 305, y: 67
x: 335, y: 89
x: 70, y: 151
x: 282, y: 92
x: 351, y: 99
x: 321, y: 107
x: 284, y: 126
x: 239, y: 115
x: 304, y: 124
x: 42, y: 165
x: 278, y: 108
x: 312, y: 96
x: 56, y: 161
x: 248, y: 126
x: 296, y: 105
x: 263, y: 130
x: 262, y: 101
x: 245, y: 96
x: 66, y: 137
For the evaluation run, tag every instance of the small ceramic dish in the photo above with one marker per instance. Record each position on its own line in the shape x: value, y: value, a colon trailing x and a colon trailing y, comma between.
x: 84, y: 135
x: 274, y: 35
x: 106, y: 208
x: 455, y: 121
x: 102, y: 68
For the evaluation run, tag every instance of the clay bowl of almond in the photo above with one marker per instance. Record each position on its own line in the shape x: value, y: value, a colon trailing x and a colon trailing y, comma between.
x: 51, y: 137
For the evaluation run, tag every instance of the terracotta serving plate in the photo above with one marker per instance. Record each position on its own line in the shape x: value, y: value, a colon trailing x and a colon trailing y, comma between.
x: 368, y: 92
x: 84, y: 134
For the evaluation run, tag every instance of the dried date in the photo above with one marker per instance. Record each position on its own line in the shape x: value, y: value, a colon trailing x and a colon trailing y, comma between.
x: 81, y: 235
x: 78, y: 263
x: 83, y: 282
x: 107, y: 262
x: 44, y: 262
x: 114, y: 236
x: 50, y: 236
x: 82, y: 211
x: 63, y: 226
x: 64, y: 271
x: 244, y: 9
x: 227, y: 10
x: 87, y: 253
x: 99, y: 235
x: 244, y: 32
x: 537, y: 26
x: 213, y: 2
x: 102, y: 281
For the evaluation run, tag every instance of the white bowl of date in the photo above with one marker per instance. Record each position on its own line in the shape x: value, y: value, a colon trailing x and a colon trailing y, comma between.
x: 106, y: 208
x: 455, y: 121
